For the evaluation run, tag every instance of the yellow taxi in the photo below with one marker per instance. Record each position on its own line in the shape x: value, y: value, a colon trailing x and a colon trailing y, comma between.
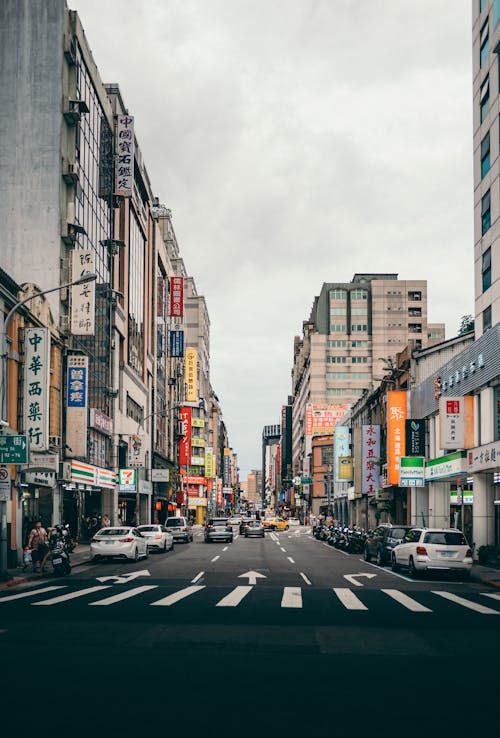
x: 275, y: 524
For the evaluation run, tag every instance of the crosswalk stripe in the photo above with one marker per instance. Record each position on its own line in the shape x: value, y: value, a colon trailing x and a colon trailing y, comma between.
x: 292, y: 597
x: 180, y: 595
x: 466, y: 603
x: 124, y: 595
x: 491, y: 594
x: 31, y: 593
x: 72, y: 595
x: 349, y: 599
x: 234, y: 598
x: 406, y: 601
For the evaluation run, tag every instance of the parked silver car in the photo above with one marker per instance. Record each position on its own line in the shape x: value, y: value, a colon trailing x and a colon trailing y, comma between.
x: 180, y: 528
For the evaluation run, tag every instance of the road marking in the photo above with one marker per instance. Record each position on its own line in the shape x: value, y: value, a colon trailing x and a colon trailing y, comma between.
x: 197, y: 577
x: 72, y: 595
x: 225, y: 549
x: 124, y: 595
x: 215, y: 559
x: 234, y: 598
x: 466, y: 603
x: 252, y: 576
x: 306, y: 580
x: 406, y: 601
x: 352, y: 578
x: 290, y: 560
x: 292, y: 597
x: 31, y: 593
x: 349, y: 599
x: 284, y: 550
x: 490, y: 594
x: 177, y: 596
x: 236, y: 536
x: 386, y: 571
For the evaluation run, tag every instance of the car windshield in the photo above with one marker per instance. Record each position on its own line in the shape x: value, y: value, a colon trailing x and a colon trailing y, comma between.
x: 113, y: 532
x: 146, y: 528
x: 442, y: 538
x: 174, y: 522
x: 397, y: 533
x: 254, y: 523
x: 218, y: 521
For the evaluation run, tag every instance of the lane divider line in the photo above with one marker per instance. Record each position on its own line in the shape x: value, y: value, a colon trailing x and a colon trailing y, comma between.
x: 177, y: 596
x: 197, y: 577
x: 235, y: 597
x: 284, y: 550
x: 225, y: 549
x: 290, y: 559
x: 306, y: 580
x: 215, y: 559
x: 124, y: 595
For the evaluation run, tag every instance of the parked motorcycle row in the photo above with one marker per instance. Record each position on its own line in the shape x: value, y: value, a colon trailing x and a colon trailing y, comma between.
x: 344, y: 538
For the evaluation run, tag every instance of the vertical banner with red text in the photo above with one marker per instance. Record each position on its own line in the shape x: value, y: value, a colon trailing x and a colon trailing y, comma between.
x: 176, y: 297
x: 185, y: 442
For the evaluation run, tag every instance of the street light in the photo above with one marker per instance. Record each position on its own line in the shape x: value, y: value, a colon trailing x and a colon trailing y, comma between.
x: 4, y: 422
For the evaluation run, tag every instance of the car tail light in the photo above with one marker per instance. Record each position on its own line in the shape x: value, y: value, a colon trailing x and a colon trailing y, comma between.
x: 158, y: 535
x: 421, y: 551
x: 95, y: 540
x: 468, y: 554
x: 184, y: 530
x: 125, y: 540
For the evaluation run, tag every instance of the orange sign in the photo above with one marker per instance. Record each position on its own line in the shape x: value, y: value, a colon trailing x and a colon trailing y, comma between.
x: 396, y: 416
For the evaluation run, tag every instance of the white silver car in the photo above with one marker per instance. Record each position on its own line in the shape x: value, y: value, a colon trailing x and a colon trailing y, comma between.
x: 122, y: 541
x: 433, y: 549
x: 158, y: 537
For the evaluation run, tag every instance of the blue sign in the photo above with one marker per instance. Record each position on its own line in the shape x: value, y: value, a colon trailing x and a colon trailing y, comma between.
x: 177, y: 343
x: 77, y: 386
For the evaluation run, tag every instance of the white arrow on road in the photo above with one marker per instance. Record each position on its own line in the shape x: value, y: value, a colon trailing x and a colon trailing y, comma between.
x: 352, y: 578
x: 252, y: 576
x: 124, y: 578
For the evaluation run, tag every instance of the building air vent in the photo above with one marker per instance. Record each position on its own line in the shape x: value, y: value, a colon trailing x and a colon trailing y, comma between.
x: 70, y: 173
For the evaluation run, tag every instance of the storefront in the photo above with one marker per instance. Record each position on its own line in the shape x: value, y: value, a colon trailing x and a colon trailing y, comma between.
x: 483, y: 466
x: 88, y: 492
x: 134, y: 498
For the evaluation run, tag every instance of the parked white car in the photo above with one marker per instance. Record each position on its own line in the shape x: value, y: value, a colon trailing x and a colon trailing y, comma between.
x: 158, y: 537
x: 433, y: 549
x: 122, y: 541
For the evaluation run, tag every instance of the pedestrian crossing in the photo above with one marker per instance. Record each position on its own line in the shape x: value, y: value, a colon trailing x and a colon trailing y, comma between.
x: 286, y: 598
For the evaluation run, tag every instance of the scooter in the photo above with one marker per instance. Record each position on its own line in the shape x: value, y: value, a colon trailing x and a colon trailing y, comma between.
x: 59, y: 556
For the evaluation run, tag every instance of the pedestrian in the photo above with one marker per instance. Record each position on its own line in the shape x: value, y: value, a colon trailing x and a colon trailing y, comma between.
x: 37, y: 543
x: 106, y: 522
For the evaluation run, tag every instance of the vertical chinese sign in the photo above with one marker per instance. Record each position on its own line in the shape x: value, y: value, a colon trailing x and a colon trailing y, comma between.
x: 341, y: 448
x: 185, y: 441
x: 370, y: 444
x: 191, y: 374
x: 396, y: 417
x: 176, y: 344
x: 36, y: 393
x: 176, y: 297
x: 124, y: 159
x: 456, y: 422
x: 83, y: 295
x: 76, y: 405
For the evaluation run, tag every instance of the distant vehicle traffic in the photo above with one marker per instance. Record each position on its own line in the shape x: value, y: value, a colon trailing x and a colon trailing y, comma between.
x: 275, y: 524
x: 254, y: 529
x: 180, y: 529
x: 218, y: 529
x: 158, y: 537
x: 123, y: 542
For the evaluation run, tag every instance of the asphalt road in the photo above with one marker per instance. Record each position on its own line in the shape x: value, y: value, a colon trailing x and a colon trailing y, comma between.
x: 282, y: 633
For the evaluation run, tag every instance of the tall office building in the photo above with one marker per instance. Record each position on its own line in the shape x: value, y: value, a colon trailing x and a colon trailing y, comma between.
x: 486, y: 109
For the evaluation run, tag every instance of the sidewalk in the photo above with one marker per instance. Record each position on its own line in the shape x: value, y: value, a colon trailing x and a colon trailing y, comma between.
x: 486, y: 575
x: 81, y: 555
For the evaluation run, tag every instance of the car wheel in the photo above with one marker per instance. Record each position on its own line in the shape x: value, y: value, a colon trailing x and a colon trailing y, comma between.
x: 394, y: 564
x: 412, y: 572
x: 96, y: 558
x: 136, y: 554
x: 366, y: 554
x: 379, y: 558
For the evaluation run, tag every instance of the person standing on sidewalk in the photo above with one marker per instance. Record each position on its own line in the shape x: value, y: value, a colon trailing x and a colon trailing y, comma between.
x: 37, y: 542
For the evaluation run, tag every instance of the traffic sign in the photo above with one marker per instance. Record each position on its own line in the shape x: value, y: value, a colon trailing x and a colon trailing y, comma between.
x: 306, y: 480
x: 13, y: 450
x: 4, y: 485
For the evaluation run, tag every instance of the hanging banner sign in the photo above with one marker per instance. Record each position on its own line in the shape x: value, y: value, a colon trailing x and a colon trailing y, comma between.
x: 415, y: 437
x: 177, y: 297
x: 185, y: 441
x: 177, y: 344
x: 191, y: 374
x: 124, y: 159
x: 341, y: 440
x: 76, y: 406
x: 83, y: 295
x: 456, y: 422
x: 396, y: 416
x: 36, y: 384
x: 370, y: 444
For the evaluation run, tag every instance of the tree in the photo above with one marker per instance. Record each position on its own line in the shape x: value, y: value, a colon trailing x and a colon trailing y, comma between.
x: 466, y: 324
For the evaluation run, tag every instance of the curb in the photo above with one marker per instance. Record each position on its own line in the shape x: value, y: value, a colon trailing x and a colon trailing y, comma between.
x: 35, y: 577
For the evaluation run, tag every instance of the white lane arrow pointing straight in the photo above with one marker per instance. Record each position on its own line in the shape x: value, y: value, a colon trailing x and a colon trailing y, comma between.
x: 352, y: 578
x: 124, y: 578
x: 252, y: 576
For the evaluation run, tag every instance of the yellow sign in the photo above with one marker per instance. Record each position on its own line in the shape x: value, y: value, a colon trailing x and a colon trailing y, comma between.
x: 209, y: 464
x: 198, y: 423
x: 200, y: 442
x: 192, y: 374
x: 345, y: 468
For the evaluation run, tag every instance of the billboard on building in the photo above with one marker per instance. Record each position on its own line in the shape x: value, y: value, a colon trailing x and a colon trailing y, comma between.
x: 370, y: 459
x: 136, y: 451
x: 185, y: 442
x: 396, y: 417
x: 415, y: 437
x: 345, y: 468
x: 177, y: 297
x: 76, y: 405
x: 177, y: 344
x: 36, y: 387
x: 124, y: 159
x: 191, y: 371
x: 456, y: 422
x: 83, y: 295
x: 412, y: 471
x: 322, y: 418
x: 341, y: 448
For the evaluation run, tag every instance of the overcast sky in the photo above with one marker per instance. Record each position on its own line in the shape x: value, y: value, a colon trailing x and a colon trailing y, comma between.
x: 298, y: 142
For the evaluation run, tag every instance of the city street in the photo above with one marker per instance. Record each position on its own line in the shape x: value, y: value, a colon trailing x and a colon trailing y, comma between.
x: 257, y: 625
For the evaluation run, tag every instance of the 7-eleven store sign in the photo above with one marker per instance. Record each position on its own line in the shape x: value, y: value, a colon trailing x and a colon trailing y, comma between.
x: 92, y: 475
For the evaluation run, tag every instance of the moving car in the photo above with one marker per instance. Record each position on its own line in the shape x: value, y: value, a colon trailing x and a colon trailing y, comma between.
x: 433, y: 549
x: 244, y: 524
x: 180, y: 529
x: 157, y: 537
x: 235, y: 520
x: 380, y: 542
x: 254, y: 529
x: 293, y: 521
x: 275, y: 524
x: 122, y: 541
x: 218, y: 529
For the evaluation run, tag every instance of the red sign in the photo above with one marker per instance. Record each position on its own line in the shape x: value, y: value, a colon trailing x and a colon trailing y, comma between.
x: 452, y: 407
x: 185, y: 442
x: 219, y: 493
x: 177, y: 296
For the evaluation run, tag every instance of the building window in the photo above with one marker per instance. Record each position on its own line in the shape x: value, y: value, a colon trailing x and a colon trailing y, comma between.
x: 482, y: 3
x: 484, y: 98
x: 326, y: 455
x: 359, y: 344
x: 484, y: 44
x: 415, y: 312
x: 336, y: 359
x: 486, y: 269
x: 337, y: 328
x: 337, y: 311
x: 338, y: 391
x: 485, y: 155
x: 338, y: 294
x: 336, y: 344
x: 360, y: 375
x: 337, y: 375
x: 486, y: 213
x: 360, y: 359
x: 359, y: 311
x: 359, y: 327
x: 415, y: 295
x: 359, y: 295
x: 487, y: 318
x: 415, y: 327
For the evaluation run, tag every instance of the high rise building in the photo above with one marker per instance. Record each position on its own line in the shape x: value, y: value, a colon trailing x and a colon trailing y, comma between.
x: 486, y: 49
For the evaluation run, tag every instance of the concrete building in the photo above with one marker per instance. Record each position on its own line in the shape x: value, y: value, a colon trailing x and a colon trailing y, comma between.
x: 271, y: 435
